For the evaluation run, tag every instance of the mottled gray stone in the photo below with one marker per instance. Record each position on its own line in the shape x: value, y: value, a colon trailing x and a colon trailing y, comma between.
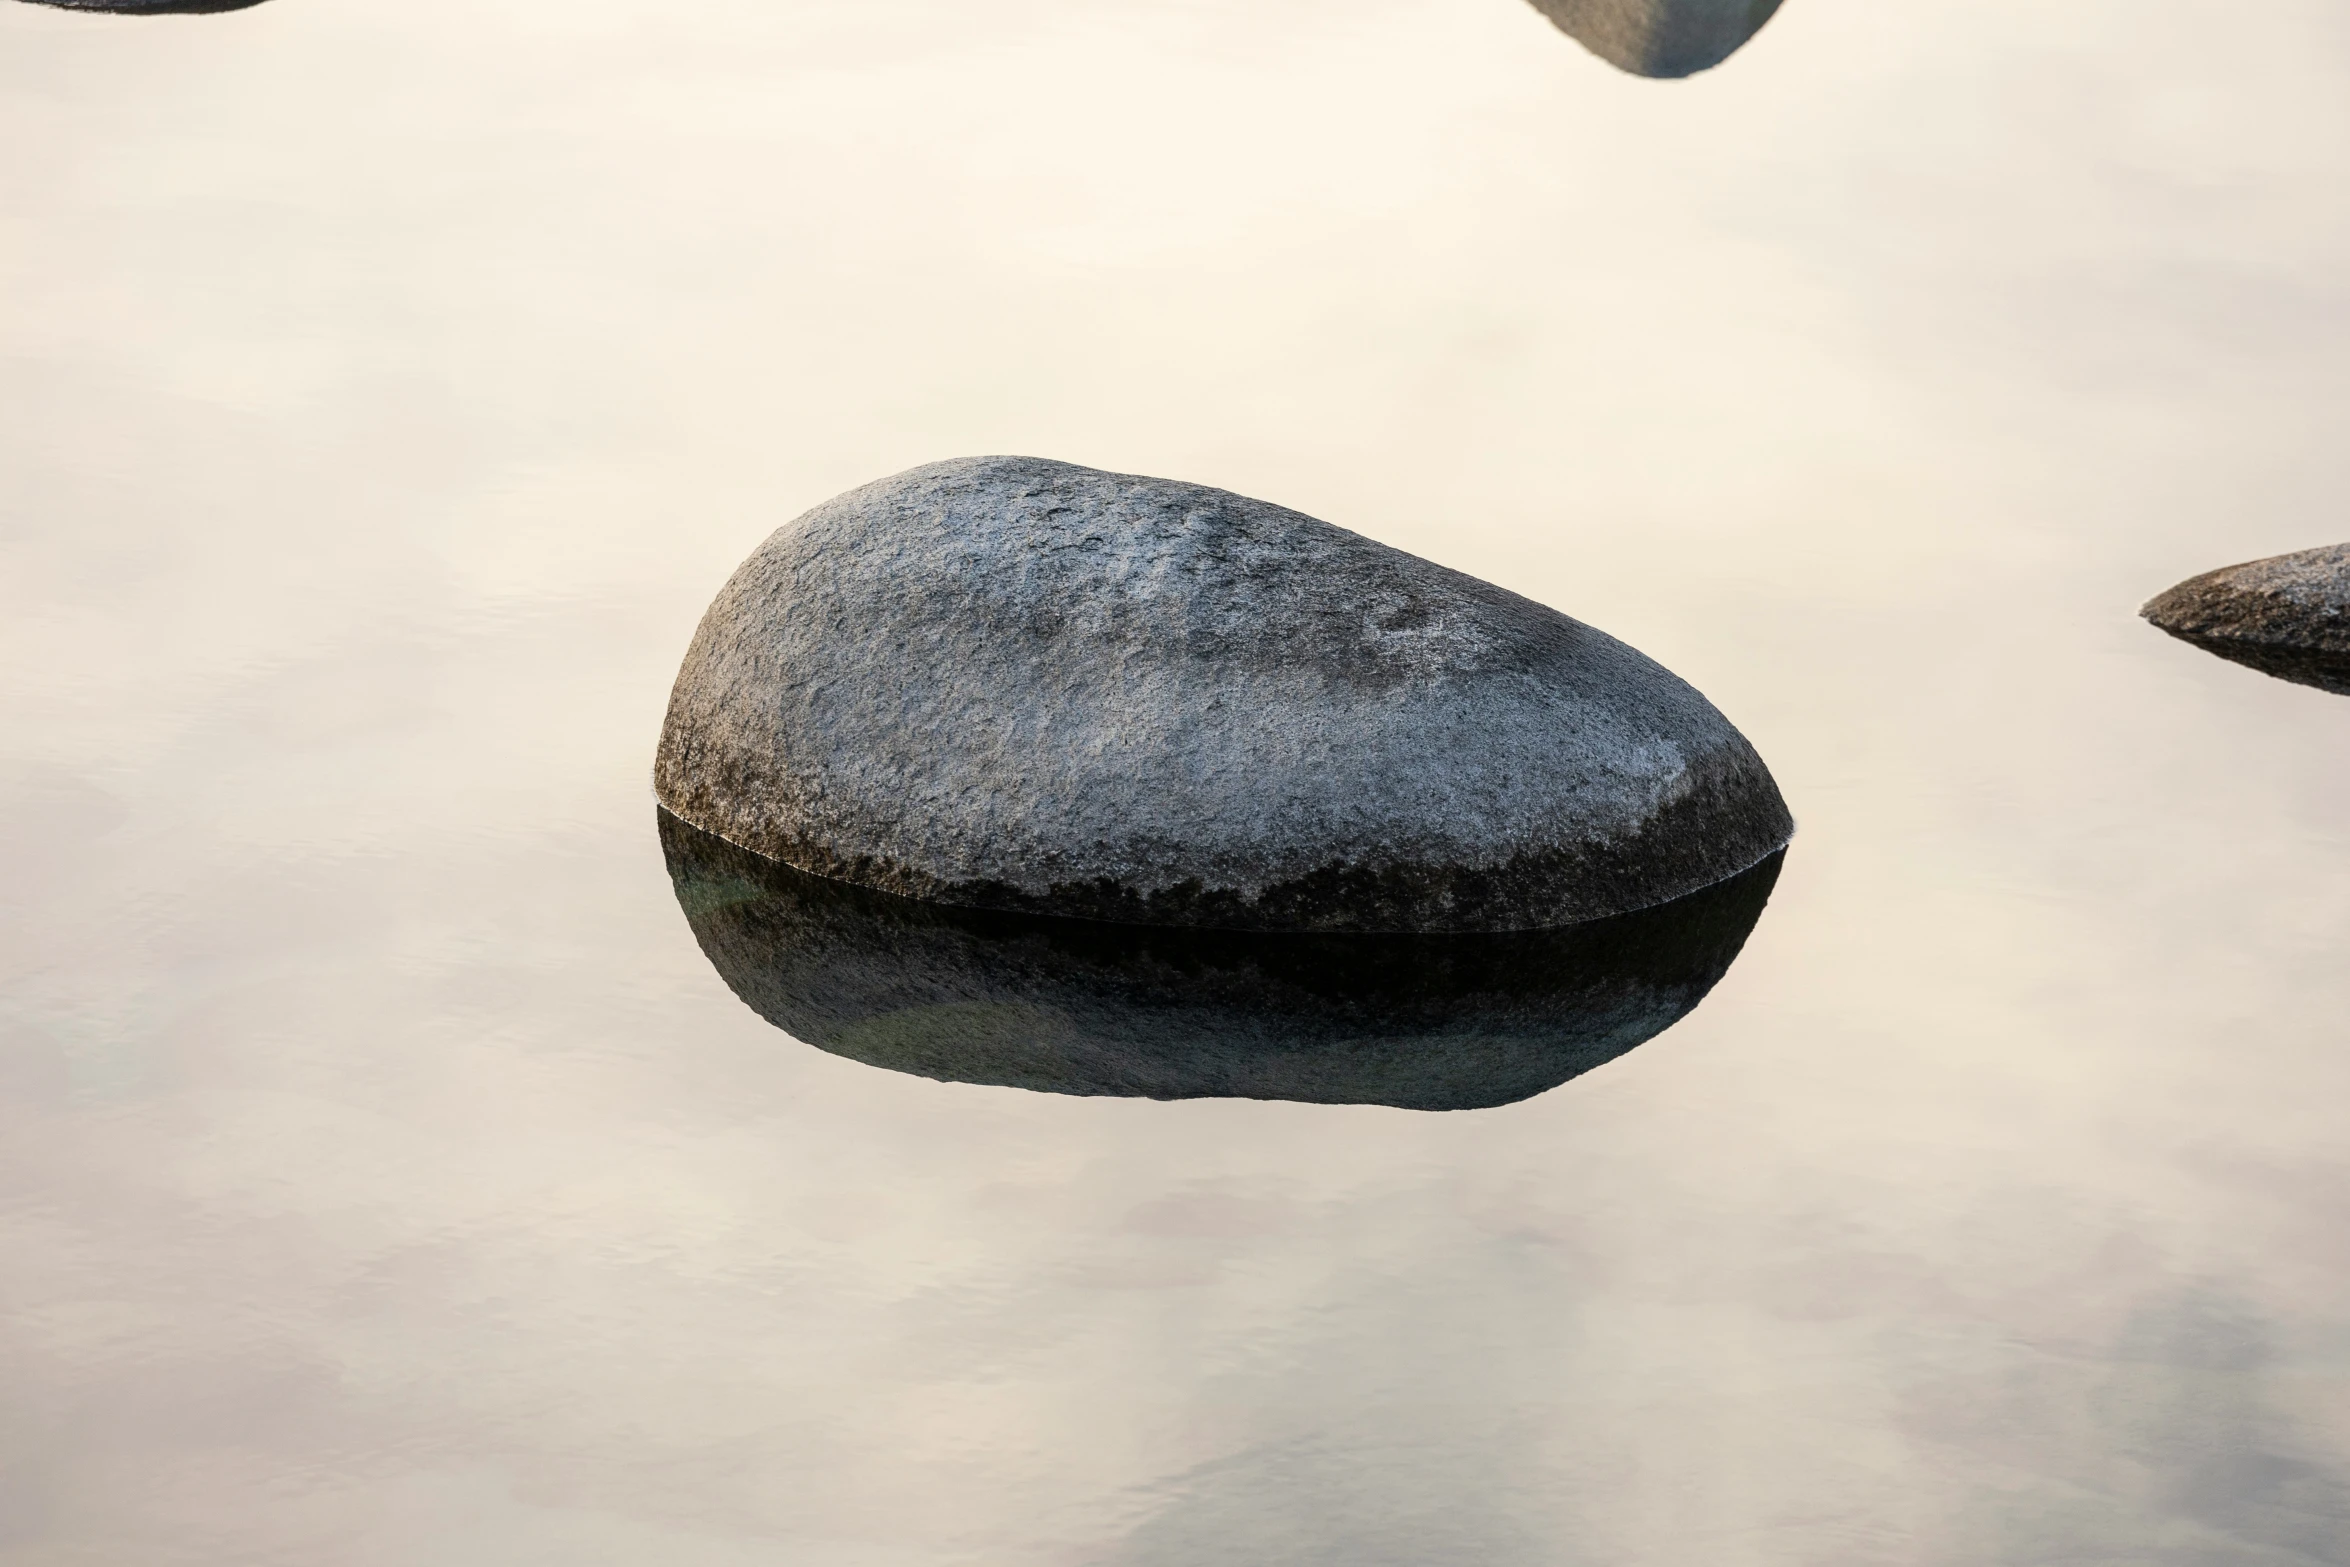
x: 1660, y: 37
x: 153, y: 7
x: 2287, y: 615
x: 1450, y: 1022
x: 1010, y: 683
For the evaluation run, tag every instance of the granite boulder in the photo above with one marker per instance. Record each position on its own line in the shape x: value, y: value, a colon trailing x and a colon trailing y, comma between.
x: 1006, y: 682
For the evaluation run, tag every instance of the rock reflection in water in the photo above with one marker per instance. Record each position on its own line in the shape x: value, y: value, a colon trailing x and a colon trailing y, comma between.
x: 1424, y: 1022
x: 2328, y: 671
x: 153, y: 7
x: 1660, y: 37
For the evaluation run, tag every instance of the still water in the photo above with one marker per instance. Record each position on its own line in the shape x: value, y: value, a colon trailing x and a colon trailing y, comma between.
x: 388, y: 1177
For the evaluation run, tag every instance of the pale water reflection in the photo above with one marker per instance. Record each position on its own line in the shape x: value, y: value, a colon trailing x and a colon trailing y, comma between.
x: 1156, y: 1012
x: 386, y: 1176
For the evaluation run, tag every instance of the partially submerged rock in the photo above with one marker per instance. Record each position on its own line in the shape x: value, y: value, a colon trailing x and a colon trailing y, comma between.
x: 152, y: 7
x: 1009, y: 683
x: 1085, y: 1007
x: 2287, y: 615
x: 1660, y: 37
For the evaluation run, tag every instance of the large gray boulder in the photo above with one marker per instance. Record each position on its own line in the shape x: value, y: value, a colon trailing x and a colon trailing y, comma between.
x: 1159, y: 1012
x: 1009, y: 683
x: 1660, y: 37
x: 2287, y: 615
x: 152, y: 7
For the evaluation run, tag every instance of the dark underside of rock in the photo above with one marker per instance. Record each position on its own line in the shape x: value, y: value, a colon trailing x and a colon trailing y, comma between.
x: 2286, y: 616
x: 1451, y: 1022
x: 1665, y: 38
x: 1017, y: 684
x: 153, y: 7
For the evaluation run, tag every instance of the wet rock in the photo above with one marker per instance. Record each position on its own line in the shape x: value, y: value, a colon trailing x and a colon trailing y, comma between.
x: 1447, y: 1022
x: 152, y: 7
x: 1660, y: 37
x: 1010, y: 683
x: 2287, y: 616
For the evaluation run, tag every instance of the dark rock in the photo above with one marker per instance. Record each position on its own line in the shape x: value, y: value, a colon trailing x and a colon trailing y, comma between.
x: 1450, y: 1022
x: 1660, y: 37
x: 1010, y: 683
x: 152, y: 7
x: 2287, y: 616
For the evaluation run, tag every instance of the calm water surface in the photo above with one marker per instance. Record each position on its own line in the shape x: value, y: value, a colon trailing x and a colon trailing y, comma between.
x: 387, y: 1178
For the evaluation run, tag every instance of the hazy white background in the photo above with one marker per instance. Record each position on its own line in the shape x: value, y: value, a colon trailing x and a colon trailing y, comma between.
x: 386, y: 385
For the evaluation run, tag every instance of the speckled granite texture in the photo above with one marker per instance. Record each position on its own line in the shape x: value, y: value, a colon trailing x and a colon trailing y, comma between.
x: 2287, y: 616
x: 1009, y: 683
x: 1085, y: 1007
x: 1660, y: 37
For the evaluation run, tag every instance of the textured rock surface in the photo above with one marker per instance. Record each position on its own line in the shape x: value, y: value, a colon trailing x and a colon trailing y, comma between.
x: 1011, y: 683
x: 153, y: 7
x: 1660, y: 37
x: 2287, y: 616
x: 1454, y: 1022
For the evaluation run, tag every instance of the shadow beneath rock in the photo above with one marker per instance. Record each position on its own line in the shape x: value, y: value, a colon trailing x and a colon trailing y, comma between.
x: 1439, y: 1022
x: 1664, y: 38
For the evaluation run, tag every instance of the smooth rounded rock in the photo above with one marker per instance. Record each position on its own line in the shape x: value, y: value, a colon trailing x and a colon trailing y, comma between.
x: 2287, y: 615
x: 1660, y: 37
x: 1004, y: 682
x: 1451, y: 1022
x: 152, y: 7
